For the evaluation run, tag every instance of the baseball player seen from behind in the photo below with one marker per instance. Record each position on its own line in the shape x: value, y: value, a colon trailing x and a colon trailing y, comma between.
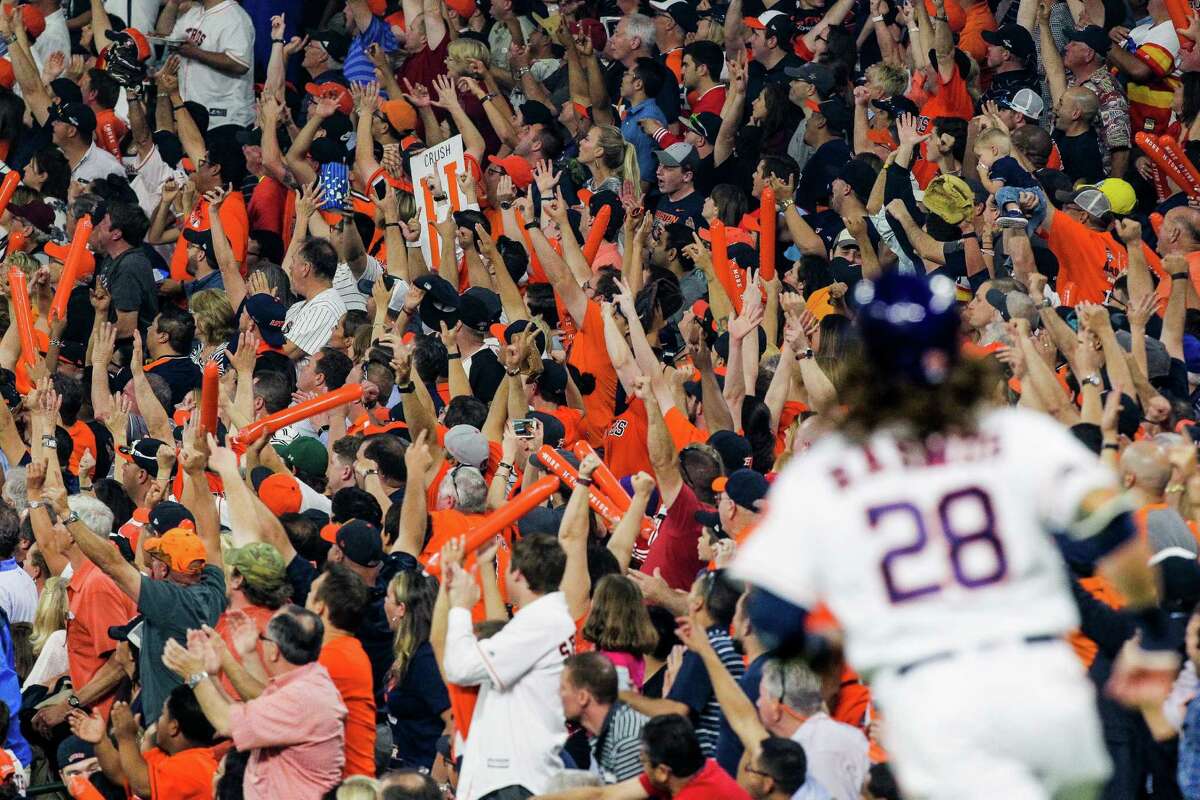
x: 931, y: 525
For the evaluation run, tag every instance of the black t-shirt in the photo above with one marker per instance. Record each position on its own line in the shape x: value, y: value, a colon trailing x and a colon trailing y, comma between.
x: 180, y: 372
x: 1081, y: 155
x: 300, y: 574
x: 374, y: 634
x: 414, y: 709
x: 685, y: 209
x: 129, y: 278
x: 760, y: 76
x: 1009, y: 83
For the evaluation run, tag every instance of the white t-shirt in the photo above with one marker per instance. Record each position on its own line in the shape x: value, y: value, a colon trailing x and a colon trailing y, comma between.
x: 224, y: 28
x: 310, y: 323
x: 837, y: 755
x: 140, y: 14
x: 150, y: 175
x: 55, y: 39
x: 51, y: 663
x: 18, y: 592
x: 518, y: 728
x: 96, y: 163
x: 918, y: 553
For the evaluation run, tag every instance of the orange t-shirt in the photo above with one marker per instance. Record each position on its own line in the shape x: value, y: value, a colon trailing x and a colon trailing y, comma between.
x: 952, y: 98
x: 350, y: 669
x: 187, y: 775
x: 977, y: 19
x: 1164, y: 287
x: 82, y: 438
x: 682, y: 431
x: 1089, y: 261
x: 95, y: 603
x: 449, y: 523
x: 589, y: 355
x: 234, y: 217
x: 625, y: 444
x: 572, y: 421
x: 110, y: 130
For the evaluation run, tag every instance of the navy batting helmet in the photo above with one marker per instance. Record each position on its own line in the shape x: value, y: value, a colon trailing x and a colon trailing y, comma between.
x: 909, y: 325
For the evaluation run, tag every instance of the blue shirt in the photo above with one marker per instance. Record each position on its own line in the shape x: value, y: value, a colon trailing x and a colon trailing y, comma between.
x: 1009, y: 170
x: 1189, y: 751
x: 10, y: 693
x: 643, y: 144
x: 358, y: 67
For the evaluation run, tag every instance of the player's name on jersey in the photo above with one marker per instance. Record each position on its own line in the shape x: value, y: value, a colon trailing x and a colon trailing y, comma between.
x: 935, y: 451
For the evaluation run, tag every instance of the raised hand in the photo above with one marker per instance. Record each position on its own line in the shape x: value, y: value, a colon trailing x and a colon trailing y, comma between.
x: 243, y: 632
x: 310, y: 199
x: 907, y: 130
x: 447, y: 96
x: 89, y: 727
x: 416, y: 94
x: 418, y: 457
x: 326, y: 106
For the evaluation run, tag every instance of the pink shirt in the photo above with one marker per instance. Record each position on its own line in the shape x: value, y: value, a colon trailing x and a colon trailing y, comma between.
x: 295, y: 729
x: 631, y: 669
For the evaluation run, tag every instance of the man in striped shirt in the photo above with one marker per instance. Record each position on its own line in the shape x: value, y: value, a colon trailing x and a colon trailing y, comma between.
x: 589, y: 698
x: 309, y: 323
x: 712, y: 601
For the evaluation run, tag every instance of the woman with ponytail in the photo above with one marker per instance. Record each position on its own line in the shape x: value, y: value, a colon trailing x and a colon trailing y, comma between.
x: 611, y: 161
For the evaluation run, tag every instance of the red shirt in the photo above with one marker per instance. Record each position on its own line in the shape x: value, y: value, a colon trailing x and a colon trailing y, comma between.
x: 673, y: 545
x: 711, y: 101
x: 266, y: 206
x: 710, y: 783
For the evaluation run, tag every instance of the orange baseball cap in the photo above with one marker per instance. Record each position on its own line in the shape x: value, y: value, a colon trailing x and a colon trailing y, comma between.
x: 378, y: 7
x: 34, y: 19
x: 181, y: 548
x: 400, y: 114
x: 281, y: 494
x: 517, y: 168
x: 464, y: 8
x: 345, y: 102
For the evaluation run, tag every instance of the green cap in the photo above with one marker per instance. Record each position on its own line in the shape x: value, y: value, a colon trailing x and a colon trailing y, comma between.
x: 306, y: 454
x: 260, y: 564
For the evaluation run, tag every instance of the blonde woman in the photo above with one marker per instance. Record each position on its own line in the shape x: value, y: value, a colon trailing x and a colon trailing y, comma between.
x: 49, y: 638
x: 418, y: 705
x: 214, y: 327
x: 610, y: 159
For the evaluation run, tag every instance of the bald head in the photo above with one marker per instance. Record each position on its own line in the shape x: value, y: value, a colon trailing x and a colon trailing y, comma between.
x: 1144, y: 466
x: 1180, y: 231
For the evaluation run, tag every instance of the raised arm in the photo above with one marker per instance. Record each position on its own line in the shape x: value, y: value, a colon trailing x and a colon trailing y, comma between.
x: 664, y: 457
x: 573, y: 536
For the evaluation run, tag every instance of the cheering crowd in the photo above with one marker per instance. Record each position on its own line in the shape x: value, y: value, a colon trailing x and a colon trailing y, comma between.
x: 389, y: 388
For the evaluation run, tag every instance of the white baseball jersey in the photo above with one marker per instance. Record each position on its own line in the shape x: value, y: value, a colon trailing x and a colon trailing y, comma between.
x: 923, y: 550
x: 518, y: 727
x: 224, y: 28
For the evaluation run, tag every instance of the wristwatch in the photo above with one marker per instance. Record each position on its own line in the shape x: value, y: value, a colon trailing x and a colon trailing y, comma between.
x: 194, y: 679
x: 38, y: 504
x: 69, y: 518
x: 74, y: 702
x: 49, y: 441
x: 1092, y: 379
x: 805, y: 353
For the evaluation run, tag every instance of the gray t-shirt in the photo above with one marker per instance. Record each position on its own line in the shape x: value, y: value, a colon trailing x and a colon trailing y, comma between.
x: 170, y: 610
x: 129, y: 278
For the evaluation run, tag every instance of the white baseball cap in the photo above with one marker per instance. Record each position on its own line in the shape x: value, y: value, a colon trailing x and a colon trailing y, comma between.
x: 1028, y: 103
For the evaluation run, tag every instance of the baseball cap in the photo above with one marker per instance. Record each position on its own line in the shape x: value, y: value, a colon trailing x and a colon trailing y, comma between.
x: 1012, y: 38
x: 280, y: 493
x: 400, y: 114
x: 897, y: 105
x: 268, y: 314
x: 680, y: 154
x: 129, y: 632
x: 168, y: 514
x: 845, y: 238
x: 35, y: 212
x: 202, y: 239
x: 836, y: 114
x: 505, y: 334
x: 515, y: 167
x: 181, y: 548
x: 950, y: 198
x: 679, y: 10
x: 305, y: 454
x: 1091, y: 200
x: 775, y: 23
x: 479, y: 308
x: 260, y: 564
x: 142, y: 452
x: 441, y: 302
x: 860, y: 177
x: 1121, y: 195
x: 77, y: 114
x: 819, y: 75
x: 464, y: 8
x: 1026, y: 102
x: 705, y: 125
x: 336, y: 43
x: 745, y: 487
x: 735, y: 450
x: 72, y: 750
x: 345, y: 103
x: 467, y: 445
x: 535, y: 113
x: 361, y: 542
x: 1092, y: 35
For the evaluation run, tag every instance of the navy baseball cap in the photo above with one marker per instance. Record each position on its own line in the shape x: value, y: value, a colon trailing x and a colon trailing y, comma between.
x: 268, y: 314
x: 361, y: 542
x: 143, y: 453
x: 745, y: 487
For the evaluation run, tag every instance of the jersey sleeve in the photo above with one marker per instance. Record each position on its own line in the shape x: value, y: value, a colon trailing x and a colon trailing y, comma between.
x: 780, y: 556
